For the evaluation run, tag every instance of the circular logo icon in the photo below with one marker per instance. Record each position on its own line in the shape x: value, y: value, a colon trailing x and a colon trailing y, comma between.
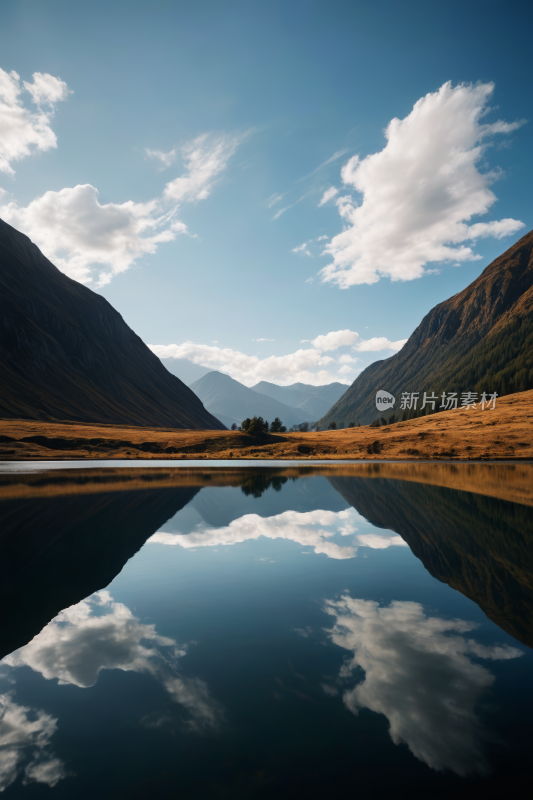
x: 384, y: 401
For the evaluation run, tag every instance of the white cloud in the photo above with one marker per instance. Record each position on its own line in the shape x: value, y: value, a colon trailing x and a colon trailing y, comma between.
x: 205, y: 158
x: 284, y: 370
x: 335, y: 339
x: 345, y: 370
x: 420, y: 192
x: 304, y: 366
x: 301, y: 249
x: 79, y: 234
x: 98, y: 634
x: 166, y: 159
x: 23, y: 131
x: 419, y: 673
x: 25, y: 735
x: 328, y: 194
x: 347, y: 359
x: 313, y: 529
x: 45, y: 89
x: 306, y: 528
x: 263, y: 340
x: 275, y: 198
x: 330, y: 160
x: 378, y: 343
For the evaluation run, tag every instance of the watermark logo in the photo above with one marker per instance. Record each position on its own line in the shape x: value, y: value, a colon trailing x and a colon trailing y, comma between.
x: 384, y: 401
x: 448, y: 401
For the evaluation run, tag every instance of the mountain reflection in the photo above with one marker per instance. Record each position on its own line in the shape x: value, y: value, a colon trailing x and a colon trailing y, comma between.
x: 25, y: 735
x: 309, y: 529
x: 420, y: 674
x: 481, y: 546
x: 99, y: 634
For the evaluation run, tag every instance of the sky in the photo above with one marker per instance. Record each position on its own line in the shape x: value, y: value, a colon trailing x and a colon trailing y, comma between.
x: 280, y: 191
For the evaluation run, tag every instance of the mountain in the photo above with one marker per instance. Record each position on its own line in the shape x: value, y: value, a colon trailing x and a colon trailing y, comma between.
x: 66, y: 354
x: 480, y: 546
x: 313, y: 401
x: 55, y: 551
x: 226, y: 398
x: 185, y: 370
x: 479, y: 340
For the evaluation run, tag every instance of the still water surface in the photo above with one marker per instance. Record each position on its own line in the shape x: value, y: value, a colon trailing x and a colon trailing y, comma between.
x: 281, y: 632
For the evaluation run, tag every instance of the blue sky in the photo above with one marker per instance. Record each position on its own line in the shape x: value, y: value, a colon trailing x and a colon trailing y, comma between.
x: 255, y: 109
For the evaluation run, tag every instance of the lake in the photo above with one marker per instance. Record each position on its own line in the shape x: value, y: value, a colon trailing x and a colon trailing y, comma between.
x: 276, y: 630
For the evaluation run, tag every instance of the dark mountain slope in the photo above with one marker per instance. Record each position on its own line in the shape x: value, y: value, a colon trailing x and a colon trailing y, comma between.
x: 479, y: 340
x: 66, y: 354
x: 56, y: 551
x: 480, y: 546
x: 228, y: 398
x: 313, y: 401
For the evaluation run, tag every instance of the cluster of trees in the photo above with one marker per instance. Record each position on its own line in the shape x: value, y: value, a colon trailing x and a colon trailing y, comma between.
x: 257, y: 426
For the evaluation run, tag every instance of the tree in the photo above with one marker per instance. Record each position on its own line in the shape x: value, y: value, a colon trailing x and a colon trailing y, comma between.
x: 332, y: 426
x: 246, y: 423
x: 277, y: 426
x: 234, y: 426
x: 257, y: 427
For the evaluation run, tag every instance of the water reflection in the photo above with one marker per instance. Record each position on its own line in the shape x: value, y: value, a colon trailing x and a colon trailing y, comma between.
x: 99, y: 634
x: 310, y: 529
x: 25, y: 749
x: 419, y: 673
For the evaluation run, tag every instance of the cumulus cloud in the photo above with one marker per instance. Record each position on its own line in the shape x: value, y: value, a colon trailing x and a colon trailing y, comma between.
x: 299, y: 366
x: 420, y: 192
x: 205, y: 158
x: 77, y: 232
x: 25, y: 735
x: 378, y: 343
x: 309, y: 529
x: 419, y: 673
x: 80, y: 234
x: 263, y: 340
x: 165, y: 159
x: 23, y: 131
x: 304, y: 366
x: 328, y: 194
x: 98, y: 634
x: 313, y: 529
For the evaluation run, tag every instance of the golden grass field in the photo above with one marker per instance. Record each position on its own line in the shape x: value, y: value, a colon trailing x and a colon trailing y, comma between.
x: 504, y: 433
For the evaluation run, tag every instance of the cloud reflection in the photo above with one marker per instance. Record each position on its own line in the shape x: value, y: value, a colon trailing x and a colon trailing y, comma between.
x: 420, y: 676
x: 25, y: 735
x: 310, y: 529
x: 98, y: 634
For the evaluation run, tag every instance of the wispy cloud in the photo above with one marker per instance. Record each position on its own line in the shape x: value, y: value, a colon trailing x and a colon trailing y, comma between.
x: 166, y: 159
x: 330, y: 160
x: 275, y: 198
x: 92, y: 241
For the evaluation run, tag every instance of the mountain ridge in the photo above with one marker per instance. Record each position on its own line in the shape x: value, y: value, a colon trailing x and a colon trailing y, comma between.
x: 67, y: 354
x: 229, y: 398
x: 312, y: 400
x: 490, y: 322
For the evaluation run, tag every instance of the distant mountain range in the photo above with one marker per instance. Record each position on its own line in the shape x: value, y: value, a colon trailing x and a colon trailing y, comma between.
x: 185, y: 370
x: 231, y: 401
x: 313, y: 401
x: 66, y: 354
x: 479, y: 340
